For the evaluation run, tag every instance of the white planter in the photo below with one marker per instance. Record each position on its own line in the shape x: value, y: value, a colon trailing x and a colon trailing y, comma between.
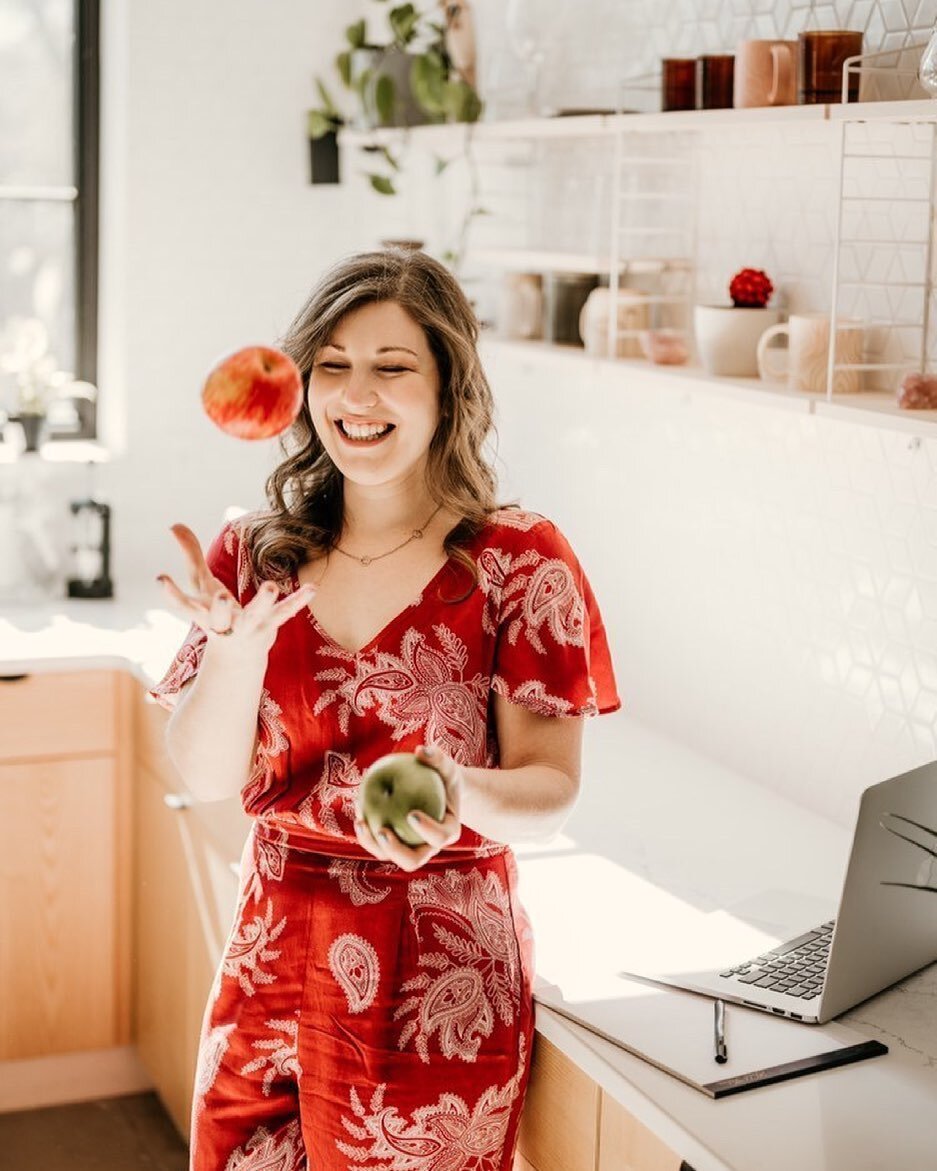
x: 727, y: 338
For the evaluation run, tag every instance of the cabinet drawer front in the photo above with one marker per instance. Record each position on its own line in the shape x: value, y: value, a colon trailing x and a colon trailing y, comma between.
x: 558, y: 1130
x: 57, y: 715
x: 627, y: 1145
x: 58, y: 956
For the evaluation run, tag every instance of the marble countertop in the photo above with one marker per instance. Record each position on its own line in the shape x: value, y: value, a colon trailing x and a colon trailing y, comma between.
x: 686, y: 835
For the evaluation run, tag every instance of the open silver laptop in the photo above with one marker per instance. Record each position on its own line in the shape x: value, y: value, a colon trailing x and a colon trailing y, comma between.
x: 884, y: 929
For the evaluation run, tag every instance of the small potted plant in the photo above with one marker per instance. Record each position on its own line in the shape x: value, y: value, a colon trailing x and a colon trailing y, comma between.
x: 32, y: 380
x: 727, y: 335
x: 322, y: 127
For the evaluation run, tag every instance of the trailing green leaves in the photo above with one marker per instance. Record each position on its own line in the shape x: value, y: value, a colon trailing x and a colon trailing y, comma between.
x: 403, y: 22
x: 355, y: 34
x: 428, y: 81
x: 385, y: 99
x: 318, y: 124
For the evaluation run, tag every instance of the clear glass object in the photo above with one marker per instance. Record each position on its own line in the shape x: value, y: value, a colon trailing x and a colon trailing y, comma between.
x: 927, y: 71
x: 525, y: 29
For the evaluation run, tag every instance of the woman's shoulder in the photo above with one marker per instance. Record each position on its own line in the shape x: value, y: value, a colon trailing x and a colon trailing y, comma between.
x: 513, y: 518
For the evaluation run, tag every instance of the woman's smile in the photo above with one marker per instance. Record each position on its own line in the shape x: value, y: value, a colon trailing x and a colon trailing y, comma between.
x: 359, y: 434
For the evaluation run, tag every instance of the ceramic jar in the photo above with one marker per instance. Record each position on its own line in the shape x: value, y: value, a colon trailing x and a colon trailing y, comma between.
x: 631, y: 316
x: 520, y: 306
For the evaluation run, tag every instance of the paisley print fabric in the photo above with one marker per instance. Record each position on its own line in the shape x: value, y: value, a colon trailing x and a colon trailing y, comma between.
x: 363, y: 1018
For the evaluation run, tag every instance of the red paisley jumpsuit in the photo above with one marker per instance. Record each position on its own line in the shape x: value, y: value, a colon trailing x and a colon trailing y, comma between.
x: 366, y: 1018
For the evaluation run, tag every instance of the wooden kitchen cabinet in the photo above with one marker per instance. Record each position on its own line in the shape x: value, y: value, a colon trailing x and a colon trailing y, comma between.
x: 64, y: 812
x: 571, y: 1124
x: 185, y: 893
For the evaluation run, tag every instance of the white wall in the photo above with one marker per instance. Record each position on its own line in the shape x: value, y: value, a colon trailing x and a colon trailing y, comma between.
x: 768, y: 578
x: 212, y: 236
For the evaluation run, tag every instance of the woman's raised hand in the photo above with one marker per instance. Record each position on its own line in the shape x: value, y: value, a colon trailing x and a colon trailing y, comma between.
x: 213, y: 607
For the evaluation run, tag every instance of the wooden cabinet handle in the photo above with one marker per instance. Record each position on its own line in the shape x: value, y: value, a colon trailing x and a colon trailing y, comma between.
x: 178, y: 801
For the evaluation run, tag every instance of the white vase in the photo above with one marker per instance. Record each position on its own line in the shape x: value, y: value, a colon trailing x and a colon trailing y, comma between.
x: 727, y: 338
x: 520, y: 306
x: 631, y: 316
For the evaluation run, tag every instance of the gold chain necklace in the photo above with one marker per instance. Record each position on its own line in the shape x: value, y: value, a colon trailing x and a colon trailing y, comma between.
x: 414, y: 536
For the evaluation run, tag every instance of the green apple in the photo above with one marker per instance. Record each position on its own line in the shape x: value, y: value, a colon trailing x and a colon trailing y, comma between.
x: 392, y: 787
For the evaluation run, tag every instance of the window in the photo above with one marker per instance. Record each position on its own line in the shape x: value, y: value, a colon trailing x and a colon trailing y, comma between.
x: 49, y: 120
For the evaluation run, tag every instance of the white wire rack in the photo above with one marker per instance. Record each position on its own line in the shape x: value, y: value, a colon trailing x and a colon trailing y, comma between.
x: 653, y: 232
x: 883, y: 265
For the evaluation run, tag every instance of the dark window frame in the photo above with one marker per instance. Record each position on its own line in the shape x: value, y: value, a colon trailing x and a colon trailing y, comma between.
x: 87, y: 141
x: 86, y: 137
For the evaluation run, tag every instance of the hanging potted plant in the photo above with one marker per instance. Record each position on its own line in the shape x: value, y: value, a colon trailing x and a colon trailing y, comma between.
x: 727, y: 335
x: 421, y: 73
x: 322, y: 127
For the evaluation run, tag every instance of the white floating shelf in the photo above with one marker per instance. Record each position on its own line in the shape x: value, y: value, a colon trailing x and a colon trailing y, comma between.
x: 910, y: 111
x: 594, y: 125
x: 868, y: 408
x: 536, y: 260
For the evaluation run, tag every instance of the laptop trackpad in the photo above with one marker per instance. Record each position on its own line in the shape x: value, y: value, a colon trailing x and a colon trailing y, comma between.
x: 784, y: 913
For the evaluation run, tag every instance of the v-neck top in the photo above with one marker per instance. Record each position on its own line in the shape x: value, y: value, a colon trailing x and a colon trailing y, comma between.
x: 433, y: 583
x: 529, y: 630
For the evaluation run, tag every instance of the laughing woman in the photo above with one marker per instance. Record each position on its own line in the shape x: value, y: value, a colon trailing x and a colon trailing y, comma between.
x: 373, y: 1005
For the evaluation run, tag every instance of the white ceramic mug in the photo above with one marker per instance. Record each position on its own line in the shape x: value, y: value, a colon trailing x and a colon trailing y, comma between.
x: 727, y: 336
x: 631, y: 319
x: 805, y: 367
x: 765, y: 74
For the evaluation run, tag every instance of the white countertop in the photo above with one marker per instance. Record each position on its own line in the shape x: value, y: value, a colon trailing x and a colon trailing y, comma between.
x: 685, y: 833
x: 690, y: 838
x: 74, y: 634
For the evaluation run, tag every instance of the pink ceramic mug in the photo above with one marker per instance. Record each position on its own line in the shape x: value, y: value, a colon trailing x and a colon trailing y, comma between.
x: 765, y: 73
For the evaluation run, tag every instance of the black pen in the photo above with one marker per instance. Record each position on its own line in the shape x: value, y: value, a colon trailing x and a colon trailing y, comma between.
x: 719, y: 1031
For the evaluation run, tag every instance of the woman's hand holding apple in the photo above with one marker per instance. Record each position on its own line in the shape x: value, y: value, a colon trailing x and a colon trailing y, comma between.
x: 212, y: 606
x: 387, y: 847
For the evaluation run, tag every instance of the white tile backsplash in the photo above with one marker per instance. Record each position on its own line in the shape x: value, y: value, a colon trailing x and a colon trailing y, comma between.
x: 593, y: 47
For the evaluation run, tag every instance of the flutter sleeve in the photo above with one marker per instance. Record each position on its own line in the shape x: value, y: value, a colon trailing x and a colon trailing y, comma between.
x: 224, y: 558
x: 551, y: 654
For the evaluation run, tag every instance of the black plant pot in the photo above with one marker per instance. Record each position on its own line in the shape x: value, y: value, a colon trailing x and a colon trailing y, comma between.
x: 323, y: 158
x: 34, y: 428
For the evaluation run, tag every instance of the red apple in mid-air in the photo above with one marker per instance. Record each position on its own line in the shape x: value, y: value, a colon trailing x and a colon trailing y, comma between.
x: 394, y: 785
x: 254, y: 393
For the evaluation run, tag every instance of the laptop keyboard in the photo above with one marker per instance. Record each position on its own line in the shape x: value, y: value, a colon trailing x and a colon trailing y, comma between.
x: 796, y: 968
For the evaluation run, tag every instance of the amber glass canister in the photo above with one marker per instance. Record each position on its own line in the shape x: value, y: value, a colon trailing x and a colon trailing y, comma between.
x: 821, y: 58
x: 678, y: 83
x: 715, y: 81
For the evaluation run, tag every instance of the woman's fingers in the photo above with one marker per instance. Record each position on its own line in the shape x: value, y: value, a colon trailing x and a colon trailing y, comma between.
x: 447, y: 769
x: 368, y: 840
x: 184, y: 605
x: 437, y: 834
x: 202, y: 576
x: 293, y: 603
x: 221, y: 612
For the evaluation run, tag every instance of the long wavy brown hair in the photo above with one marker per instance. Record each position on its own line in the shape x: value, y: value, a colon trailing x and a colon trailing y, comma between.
x: 305, y: 492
